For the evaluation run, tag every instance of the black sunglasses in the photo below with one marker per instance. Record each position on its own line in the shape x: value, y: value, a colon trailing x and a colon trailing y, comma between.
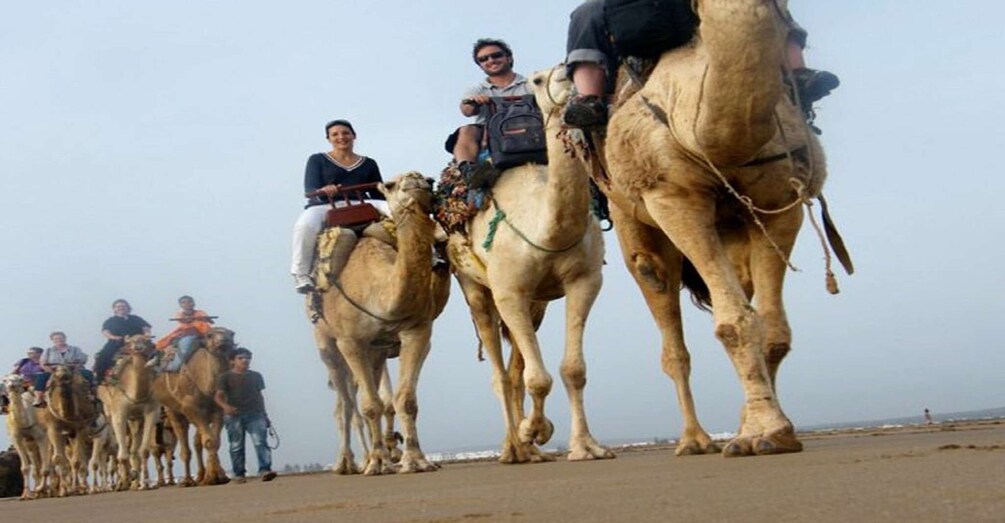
x: 491, y: 56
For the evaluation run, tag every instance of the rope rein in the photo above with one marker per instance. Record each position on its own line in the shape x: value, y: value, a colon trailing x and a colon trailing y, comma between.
x: 500, y: 216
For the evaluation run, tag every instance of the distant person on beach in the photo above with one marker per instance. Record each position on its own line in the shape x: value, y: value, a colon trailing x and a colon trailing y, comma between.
x: 28, y: 368
x: 239, y: 394
x: 192, y: 325
x: 928, y: 417
x: 60, y: 354
x: 123, y: 323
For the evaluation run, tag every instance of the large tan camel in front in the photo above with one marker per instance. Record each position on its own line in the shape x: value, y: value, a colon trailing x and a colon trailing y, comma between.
x: 711, y: 163
x: 132, y: 410
x: 187, y: 397
x: 385, y: 297
x: 28, y: 438
x: 543, y: 244
x: 67, y: 419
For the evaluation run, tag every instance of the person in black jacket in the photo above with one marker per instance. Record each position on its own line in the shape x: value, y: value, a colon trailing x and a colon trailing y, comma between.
x: 115, y: 329
x: 593, y: 58
x: 327, y: 172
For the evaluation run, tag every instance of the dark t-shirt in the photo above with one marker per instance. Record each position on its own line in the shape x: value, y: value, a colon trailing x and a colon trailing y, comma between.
x: 243, y: 391
x: 322, y: 171
x: 128, y: 326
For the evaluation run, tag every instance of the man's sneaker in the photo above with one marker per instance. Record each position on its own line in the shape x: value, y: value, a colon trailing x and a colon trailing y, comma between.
x: 239, y: 480
x: 303, y: 283
x: 269, y: 476
x: 585, y: 112
x: 814, y: 85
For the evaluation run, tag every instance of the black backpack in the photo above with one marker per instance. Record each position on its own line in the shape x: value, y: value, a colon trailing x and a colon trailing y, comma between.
x: 515, y: 132
x: 647, y: 28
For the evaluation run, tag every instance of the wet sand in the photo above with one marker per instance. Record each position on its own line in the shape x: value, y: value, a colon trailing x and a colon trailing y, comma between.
x: 949, y: 472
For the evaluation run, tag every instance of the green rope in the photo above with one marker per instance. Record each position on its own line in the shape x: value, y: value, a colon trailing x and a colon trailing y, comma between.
x: 493, y: 227
x: 501, y: 216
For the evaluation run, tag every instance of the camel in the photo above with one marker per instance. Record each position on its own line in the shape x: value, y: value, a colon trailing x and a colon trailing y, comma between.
x: 536, y: 242
x: 67, y: 418
x: 104, y: 453
x: 187, y: 397
x: 29, y: 439
x: 385, y: 297
x: 132, y: 410
x: 709, y: 164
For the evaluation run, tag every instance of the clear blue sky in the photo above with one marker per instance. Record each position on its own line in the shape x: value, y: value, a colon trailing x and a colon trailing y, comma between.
x: 150, y: 150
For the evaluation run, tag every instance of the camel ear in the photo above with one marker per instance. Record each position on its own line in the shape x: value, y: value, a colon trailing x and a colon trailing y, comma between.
x: 384, y: 188
x: 439, y: 234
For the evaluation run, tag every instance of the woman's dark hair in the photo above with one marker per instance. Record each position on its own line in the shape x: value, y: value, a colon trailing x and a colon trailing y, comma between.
x: 343, y: 123
x: 186, y: 297
x: 240, y: 351
x: 485, y: 42
x: 37, y: 349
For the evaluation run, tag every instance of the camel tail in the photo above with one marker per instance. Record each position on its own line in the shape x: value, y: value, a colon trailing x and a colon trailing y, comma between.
x: 692, y: 281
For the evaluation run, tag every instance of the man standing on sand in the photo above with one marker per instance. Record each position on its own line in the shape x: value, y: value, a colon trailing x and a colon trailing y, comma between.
x: 239, y: 394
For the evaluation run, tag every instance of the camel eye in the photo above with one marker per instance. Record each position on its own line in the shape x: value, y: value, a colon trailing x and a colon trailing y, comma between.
x: 537, y: 81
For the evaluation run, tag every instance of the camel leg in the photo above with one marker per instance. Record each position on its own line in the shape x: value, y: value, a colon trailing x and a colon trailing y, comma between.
x: 119, y: 428
x: 24, y: 454
x: 414, y: 349
x: 210, y: 436
x: 149, y: 425
x: 387, y: 397
x: 180, y: 427
x: 345, y: 402
x: 689, y: 221
x: 514, y: 310
x: 362, y: 366
x: 580, y: 294
x: 768, y: 275
x: 516, y: 365
x: 656, y: 266
x: 486, y: 320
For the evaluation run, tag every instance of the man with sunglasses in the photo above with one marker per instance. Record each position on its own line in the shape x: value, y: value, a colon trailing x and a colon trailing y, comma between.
x: 495, y: 58
x: 239, y: 394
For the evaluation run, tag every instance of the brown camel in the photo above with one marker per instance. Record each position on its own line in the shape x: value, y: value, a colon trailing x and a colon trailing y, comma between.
x: 132, y: 410
x: 67, y: 418
x: 187, y: 396
x: 29, y: 439
x: 385, y: 298
x: 709, y: 163
x: 535, y: 243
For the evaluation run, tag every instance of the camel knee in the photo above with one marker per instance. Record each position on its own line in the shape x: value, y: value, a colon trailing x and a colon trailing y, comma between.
x: 539, y: 384
x: 676, y: 364
x: 574, y: 375
x: 775, y: 354
x: 648, y: 270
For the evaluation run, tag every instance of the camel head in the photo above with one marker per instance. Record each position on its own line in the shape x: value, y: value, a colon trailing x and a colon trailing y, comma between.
x: 551, y: 88
x: 219, y: 341
x: 408, y: 190
x: 141, y: 344
x: 14, y: 384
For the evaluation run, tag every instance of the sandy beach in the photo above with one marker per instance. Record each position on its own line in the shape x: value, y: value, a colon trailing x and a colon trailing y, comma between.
x: 947, y: 472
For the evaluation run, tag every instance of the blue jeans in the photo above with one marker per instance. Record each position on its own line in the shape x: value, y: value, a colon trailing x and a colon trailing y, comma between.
x: 184, y: 345
x: 255, y: 426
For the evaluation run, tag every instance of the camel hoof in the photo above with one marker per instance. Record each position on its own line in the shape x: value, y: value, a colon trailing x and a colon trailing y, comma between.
x: 187, y: 482
x: 346, y: 469
x: 738, y: 447
x: 695, y: 448
x: 416, y: 465
x: 536, y: 431
x: 781, y: 442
